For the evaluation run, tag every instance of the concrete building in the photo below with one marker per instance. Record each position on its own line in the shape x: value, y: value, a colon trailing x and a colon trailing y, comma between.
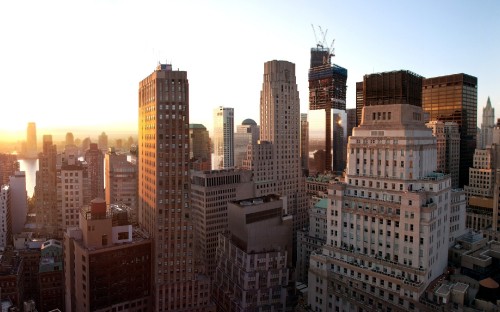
x: 312, y: 238
x: 210, y: 193
x: 31, y: 142
x: 454, y: 98
x: 72, y: 181
x: 487, y: 125
x: 304, y: 144
x: 11, y: 278
x: 48, y: 217
x: 19, y: 197
x: 254, y: 257
x: 51, y: 276
x: 246, y: 133
x: 458, y: 215
x: 95, y: 170
x: 8, y: 167
x: 121, y: 181
x: 199, y: 154
x: 448, y: 148
x: 102, y: 142
x: 96, y: 255
x: 275, y: 159
x: 5, y: 216
x: 388, y: 223
x: 164, y: 191
x: 223, y: 138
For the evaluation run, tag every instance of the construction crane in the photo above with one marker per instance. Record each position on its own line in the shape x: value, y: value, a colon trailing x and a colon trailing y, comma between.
x: 323, y: 42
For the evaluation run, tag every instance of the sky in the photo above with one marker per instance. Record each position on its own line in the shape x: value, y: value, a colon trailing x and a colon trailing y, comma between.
x: 75, y: 66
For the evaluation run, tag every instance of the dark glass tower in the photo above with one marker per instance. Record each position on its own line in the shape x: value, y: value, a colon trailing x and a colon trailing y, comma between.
x: 454, y: 98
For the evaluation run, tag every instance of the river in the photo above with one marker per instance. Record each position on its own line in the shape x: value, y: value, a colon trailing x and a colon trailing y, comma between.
x: 29, y: 166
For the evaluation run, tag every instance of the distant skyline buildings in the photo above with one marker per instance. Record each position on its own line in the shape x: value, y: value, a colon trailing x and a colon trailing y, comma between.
x: 487, y: 125
x: 31, y: 143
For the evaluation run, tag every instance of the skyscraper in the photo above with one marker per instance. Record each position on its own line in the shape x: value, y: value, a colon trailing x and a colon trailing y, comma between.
x: 5, y: 216
x: 31, y: 143
x: 327, y: 92
x: 246, y: 133
x: 164, y: 191
x: 95, y: 168
x: 304, y: 144
x: 351, y: 121
x: 275, y: 160
x: 487, y: 125
x: 48, y: 214
x: 223, y: 138
x: 70, y: 140
x: 454, y: 98
x: 103, y: 142
x: 121, y: 181
x: 199, y: 142
x: 384, y: 245
x: 17, y: 184
x: 339, y: 151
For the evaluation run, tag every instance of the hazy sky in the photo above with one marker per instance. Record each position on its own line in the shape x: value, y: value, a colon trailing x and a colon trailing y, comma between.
x: 73, y: 65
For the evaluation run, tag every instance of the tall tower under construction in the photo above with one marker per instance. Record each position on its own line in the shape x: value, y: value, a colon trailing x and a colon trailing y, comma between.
x: 327, y: 92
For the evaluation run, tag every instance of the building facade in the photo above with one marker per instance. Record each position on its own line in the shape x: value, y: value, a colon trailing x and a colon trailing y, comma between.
x: 31, y: 142
x: 487, y: 125
x: 246, y: 134
x: 223, y: 138
x: 200, y: 153
x: 95, y: 169
x: 254, y: 257
x: 19, y: 195
x: 5, y: 216
x: 164, y: 191
x: 96, y: 255
x: 454, y: 98
x: 388, y: 223
x: 304, y: 144
x: 121, y: 181
x: 211, y: 191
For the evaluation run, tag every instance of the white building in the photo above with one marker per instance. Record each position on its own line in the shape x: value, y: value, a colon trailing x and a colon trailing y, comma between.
x: 487, y: 125
x: 223, y: 138
x: 389, y: 222
x: 19, y: 198
x: 246, y: 133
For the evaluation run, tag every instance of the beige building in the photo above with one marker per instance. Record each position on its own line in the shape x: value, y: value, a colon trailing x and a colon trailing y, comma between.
x: 254, y: 257
x: 275, y: 160
x: 223, y: 138
x: 164, y: 198
x: 388, y: 223
x: 211, y: 191
x: 246, y: 133
x: 121, y: 181
x: 96, y: 255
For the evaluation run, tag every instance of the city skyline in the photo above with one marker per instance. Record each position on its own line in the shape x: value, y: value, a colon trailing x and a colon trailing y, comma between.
x: 120, y: 43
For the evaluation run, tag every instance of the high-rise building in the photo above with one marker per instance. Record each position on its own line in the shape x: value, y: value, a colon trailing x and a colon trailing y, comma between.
x: 338, y: 147
x: 8, y: 167
x: 48, y: 216
x: 351, y: 121
x: 31, y: 143
x: 246, y: 133
x: 95, y: 169
x: 448, y: 148
x: 164, y: 191
x: 327, y: 92
x: 70, y: 140
x: 487, y: 125
x: 275, y: 160
x: 359, y: 102
x: 103, y: 142
x: 5, y: 216
x: 85, y: 145
x: 223, y: 138
x: 19, y: 195
x: 107, y: 262
x: 210, y: 193
x: 121, y: 181
x: 384, y: 245
x: 454, y: 98
x: 304, y: 144
x: 51, y: 276
x: 254, y: 257
x: 199, y: 142
x: 73, y: 185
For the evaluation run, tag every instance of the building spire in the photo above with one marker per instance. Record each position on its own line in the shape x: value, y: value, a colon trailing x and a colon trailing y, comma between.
x: 488, y: 103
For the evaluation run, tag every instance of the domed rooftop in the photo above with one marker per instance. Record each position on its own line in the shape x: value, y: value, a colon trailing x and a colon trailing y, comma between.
x: 248, y: 122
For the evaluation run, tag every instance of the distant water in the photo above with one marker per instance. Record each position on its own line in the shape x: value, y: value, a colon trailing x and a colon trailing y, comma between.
x: 30, y: 166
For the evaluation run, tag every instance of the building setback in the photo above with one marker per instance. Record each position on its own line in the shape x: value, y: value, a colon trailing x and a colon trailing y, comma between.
x: 384, y: 245
x: 164, y: 191
x: 254, y: 257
